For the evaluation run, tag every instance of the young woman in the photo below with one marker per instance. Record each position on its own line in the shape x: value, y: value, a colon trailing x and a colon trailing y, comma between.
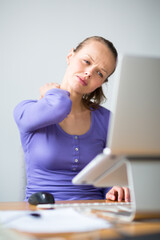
x: 66, y: 128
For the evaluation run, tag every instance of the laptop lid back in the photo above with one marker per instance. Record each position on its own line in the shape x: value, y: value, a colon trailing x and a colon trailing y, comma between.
x: 135, y: 125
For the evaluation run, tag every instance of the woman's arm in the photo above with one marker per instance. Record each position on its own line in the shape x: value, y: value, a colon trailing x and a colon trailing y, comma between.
x: 53, y: 106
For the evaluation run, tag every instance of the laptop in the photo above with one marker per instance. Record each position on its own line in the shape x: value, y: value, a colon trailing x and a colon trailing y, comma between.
x: 132, y: 155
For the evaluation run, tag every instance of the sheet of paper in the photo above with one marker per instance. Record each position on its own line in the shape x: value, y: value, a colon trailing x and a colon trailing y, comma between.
x: 52, y: 221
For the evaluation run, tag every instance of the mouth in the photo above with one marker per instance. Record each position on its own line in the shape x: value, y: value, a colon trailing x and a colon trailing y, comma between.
x: 82, y: 81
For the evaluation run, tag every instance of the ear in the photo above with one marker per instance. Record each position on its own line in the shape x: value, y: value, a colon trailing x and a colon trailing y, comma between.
x: 70, y: 55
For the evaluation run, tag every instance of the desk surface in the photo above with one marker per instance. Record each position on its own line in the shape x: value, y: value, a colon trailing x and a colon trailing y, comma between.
x: 118, y: 230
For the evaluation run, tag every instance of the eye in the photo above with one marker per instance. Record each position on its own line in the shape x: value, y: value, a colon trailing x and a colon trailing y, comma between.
x: 100, y: 74
x: 87, y: 62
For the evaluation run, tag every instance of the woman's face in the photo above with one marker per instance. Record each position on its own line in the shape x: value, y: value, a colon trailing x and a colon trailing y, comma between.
x: 89, y: 67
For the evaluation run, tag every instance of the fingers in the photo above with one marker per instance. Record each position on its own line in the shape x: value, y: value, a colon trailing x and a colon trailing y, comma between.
x: 118, y: 194
x: 126, y: 194
x: 111, y: 195
x: 47, y: 87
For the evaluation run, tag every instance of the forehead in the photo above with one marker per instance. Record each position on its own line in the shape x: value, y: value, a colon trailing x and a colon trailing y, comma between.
x: 99, y: 52
x: 96, y: 48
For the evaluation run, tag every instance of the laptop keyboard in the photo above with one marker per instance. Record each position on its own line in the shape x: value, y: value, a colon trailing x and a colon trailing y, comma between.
x: 104, y: 206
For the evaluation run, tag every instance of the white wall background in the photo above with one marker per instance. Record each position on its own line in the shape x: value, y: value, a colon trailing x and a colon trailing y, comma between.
x: 35, y: 37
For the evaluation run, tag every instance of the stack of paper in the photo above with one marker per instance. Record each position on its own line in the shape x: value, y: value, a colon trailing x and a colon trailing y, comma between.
x: 52, y: 221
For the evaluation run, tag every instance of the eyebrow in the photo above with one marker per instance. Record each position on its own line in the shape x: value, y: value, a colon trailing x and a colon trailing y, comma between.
x: 94, y: 61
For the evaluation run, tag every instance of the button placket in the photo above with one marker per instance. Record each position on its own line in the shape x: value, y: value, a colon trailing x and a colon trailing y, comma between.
x: 75, y: 153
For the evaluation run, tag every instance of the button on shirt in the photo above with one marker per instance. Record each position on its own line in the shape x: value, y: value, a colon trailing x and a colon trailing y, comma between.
x: 53, y: 157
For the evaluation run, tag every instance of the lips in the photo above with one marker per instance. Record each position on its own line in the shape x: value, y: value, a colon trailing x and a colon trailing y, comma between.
x: 82, y: 81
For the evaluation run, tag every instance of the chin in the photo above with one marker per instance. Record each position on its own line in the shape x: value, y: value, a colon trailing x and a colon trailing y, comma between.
x: 78, y: 89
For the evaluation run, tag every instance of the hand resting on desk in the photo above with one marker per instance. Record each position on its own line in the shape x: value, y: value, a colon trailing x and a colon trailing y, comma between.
x: 118, y: 194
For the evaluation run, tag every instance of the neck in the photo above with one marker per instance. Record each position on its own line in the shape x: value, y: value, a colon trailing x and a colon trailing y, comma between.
x: 77, y: 104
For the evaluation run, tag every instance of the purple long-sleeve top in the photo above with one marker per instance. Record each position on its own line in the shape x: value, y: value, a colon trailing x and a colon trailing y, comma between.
x: 52, y: 156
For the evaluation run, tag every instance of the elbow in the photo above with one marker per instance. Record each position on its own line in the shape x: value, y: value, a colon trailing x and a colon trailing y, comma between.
x: 22, y: 125
x: 64, y: 108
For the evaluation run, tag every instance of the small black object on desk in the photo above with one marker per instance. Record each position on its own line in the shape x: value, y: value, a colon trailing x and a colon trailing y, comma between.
x: 41, y: 198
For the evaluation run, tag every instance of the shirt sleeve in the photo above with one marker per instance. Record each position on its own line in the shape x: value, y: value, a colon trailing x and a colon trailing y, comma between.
x: 31, y: 115
x: 105, y: 191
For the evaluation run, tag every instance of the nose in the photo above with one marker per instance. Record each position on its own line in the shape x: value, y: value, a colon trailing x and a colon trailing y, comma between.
x: 88, y: 73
